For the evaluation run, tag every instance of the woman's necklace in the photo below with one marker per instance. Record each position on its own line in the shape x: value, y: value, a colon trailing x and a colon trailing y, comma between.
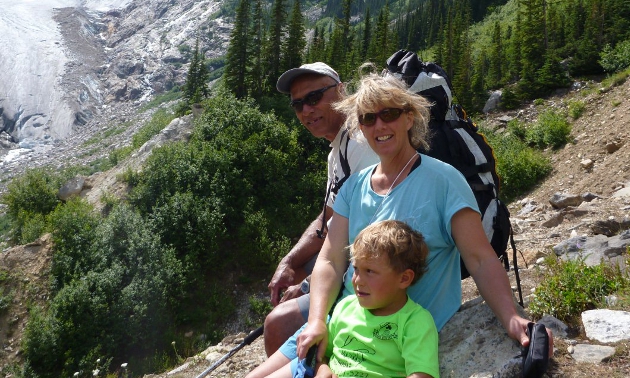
x: 391, y: 187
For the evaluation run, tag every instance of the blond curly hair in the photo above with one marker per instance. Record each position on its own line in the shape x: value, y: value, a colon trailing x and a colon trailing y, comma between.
x: 404, y: 246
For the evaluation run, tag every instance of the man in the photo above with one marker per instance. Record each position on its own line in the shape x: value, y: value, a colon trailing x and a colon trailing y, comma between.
x: 313, y: 88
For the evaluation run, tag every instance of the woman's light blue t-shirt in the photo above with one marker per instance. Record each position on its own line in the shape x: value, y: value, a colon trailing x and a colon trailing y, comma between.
x: 426, y: 200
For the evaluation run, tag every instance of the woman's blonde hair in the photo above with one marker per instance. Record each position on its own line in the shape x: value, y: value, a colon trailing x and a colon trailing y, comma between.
x: 375, y: 92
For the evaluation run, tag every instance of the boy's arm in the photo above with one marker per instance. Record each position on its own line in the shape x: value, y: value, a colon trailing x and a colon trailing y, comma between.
x: 419, y: 375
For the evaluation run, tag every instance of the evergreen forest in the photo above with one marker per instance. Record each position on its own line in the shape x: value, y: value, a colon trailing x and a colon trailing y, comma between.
x: 526, y: 47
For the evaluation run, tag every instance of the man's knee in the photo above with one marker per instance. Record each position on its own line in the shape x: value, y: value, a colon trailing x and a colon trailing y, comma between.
x: 281, y: 323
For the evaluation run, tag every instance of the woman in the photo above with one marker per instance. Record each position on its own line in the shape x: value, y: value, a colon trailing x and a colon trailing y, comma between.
x: 430, y: 196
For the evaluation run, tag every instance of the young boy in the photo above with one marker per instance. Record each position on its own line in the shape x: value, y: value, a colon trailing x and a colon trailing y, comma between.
x: 379, y: 331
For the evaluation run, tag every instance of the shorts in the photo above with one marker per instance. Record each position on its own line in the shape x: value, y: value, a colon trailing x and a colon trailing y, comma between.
x: 304, y: 303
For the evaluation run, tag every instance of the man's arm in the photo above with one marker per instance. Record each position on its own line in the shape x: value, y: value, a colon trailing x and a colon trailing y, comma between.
x: 289, y: 271
x: 489, y: 275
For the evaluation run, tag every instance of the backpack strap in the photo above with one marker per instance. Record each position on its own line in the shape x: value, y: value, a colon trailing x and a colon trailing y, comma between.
x: 343, y: 160
x: 336, y: 184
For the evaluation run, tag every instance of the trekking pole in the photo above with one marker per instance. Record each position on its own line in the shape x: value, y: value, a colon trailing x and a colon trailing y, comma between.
x: 246, y: 341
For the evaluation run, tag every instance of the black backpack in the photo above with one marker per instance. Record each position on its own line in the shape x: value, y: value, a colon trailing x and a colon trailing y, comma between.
x: 455, y: 140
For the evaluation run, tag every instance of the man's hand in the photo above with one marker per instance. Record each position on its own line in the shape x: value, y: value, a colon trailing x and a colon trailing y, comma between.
x: 282, y: 279
x: 292, y: 292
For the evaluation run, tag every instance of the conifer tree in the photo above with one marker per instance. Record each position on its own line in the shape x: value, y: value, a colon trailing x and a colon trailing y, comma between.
x: 196, y: 87
x: 477, y: 84
x: 381, y: 45
x: 532, y: 47
x: 464, y: 74
x: 272, y: 51
x: 340, y: 41
x: 236, y: 57
x: 513, y: 53
x: 367, y: 34
x: 496, y: 58
x: 255, y: 71
x: 295, y: 43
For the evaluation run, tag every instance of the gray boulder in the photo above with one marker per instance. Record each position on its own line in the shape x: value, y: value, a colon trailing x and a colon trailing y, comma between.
x: 474, y: 343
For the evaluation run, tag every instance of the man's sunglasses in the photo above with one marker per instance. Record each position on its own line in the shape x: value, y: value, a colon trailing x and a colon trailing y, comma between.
x: 386, y: 115
x: 311, y: 98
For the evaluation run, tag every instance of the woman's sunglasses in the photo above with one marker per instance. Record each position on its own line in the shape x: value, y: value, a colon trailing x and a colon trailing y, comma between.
x: 386, y: 115
x: 311, y: 98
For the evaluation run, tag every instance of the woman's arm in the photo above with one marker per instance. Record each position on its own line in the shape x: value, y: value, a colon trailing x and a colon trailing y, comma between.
x: 489, y: 275
x: 325, y: 285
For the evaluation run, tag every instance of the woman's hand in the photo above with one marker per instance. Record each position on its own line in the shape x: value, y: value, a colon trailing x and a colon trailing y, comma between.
x: 517, y: 330
x: 315, y: 332
x: 323, y: 371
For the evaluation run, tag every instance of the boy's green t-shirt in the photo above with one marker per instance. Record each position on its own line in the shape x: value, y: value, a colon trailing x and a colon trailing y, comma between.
x: 398, y: 345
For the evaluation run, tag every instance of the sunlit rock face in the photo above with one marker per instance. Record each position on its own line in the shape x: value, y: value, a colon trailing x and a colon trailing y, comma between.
x: 34, y: 105
x: 62, y: 62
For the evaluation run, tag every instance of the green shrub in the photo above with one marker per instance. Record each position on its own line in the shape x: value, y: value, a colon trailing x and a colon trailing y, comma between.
x: 5, y: 300
x: 571, y: 287
x: 119, y: 154
x: 32, y: 226
x: 617, y: 58
x: 576, y: 108
x: 539, y: 101
x: 34, y: 192
x: 517, y: 128
x: 29, y: 198
x: 519, y: 166
x: 158, y: 121
x: 73, y: 231
x: 551, y: 130
x: 232, y: 187
x: 117, y: 297
x: 172, y: 95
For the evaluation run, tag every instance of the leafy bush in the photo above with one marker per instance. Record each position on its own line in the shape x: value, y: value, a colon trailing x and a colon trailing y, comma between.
x: 73, y: 228
x: 551, y: 130
x: 519, y: 166
x: 158, y: 121
x: 617, y: 58
x: 517, y: 128
x: 576, y: 108
x: 29, y: 198
x: 117, y: 298
x: 231, y: 194
x: 571, y: 287
x: 32, y: 226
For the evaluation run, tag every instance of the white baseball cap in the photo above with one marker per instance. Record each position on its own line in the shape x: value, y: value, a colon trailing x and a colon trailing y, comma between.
x: 284, y: 81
